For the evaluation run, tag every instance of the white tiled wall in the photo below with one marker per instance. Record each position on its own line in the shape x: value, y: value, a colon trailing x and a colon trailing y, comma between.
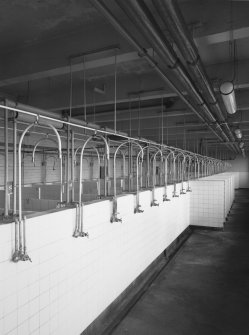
x: 211, y: 199
x: 71, y: 281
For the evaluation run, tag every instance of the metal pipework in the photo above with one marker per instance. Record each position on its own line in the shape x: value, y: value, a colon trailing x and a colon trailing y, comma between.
x: 165, y: 196
x: 140, y: 153
x: 189, y: 170
x: 149, y: 148
x: 32, y: 111
x: 197, y: 167
x: 124, y: 169
x: 183, y: 174
x: 174, y: 21
x: 114, y: 217
x: 72, y: 164
x: 59, y: 156
x: 142, y: 18
x: 153, y: 159
x: 79, y: 225
x: 100, y: 5
x: 14, y: 164
x: 6, y: 165
x: 98, y: 158
x: 68, y: 166
x: 37, y: 143
x: 175, y: 178
x: 16, y: 254
x: 54, y: 158
x: 22, y: 225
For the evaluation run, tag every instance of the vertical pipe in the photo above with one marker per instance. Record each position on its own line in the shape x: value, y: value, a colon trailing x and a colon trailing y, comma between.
x: 107, y: 171
x: 84, y: 78
x: 6, y: 165
x: 148, y: 167
x: 115, y: 94
x: 68, y: 163
x: 14, y: 164
x: 24, y: 236
x: 16, y: 237
x: 105, y: 177
x: 72, y: 163
x: 165, y: 176
x: 130, y: 166
x: 20, y: 173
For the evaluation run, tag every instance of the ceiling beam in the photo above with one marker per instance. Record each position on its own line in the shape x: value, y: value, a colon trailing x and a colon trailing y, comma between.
x: 223, y: 36
x: 63, y: 70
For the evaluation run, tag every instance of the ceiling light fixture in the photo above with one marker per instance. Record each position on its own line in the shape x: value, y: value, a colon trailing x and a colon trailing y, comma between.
x: 238, y: 133
x: 228, y: 96
x: 241, y: 145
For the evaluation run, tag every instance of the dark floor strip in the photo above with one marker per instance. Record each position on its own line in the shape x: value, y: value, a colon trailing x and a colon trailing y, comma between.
x: 205, y: 289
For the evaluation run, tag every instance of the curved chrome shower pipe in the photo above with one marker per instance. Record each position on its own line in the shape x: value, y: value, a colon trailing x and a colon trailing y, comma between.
x: 153, y: 159
x: 22, y: 221
x: 79, y: 224
x: 99, y: 164
x: 37, y: 143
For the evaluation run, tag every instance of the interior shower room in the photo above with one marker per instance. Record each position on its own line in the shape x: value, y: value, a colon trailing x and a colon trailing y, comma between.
x: 124, y: 170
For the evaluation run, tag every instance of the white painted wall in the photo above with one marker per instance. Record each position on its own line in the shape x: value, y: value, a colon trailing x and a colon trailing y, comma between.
x: 71, y: 281
x: 241, y: 165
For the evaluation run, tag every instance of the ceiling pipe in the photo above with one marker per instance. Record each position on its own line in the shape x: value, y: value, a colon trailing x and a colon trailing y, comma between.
x: 141, y: 16
x: 98, y: 4
x: 34, y: 112
x: 174, y: 21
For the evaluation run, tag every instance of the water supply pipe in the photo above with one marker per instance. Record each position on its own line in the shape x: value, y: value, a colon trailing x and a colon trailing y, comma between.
x: 37, y: 143
x: 140, y: 153
x: 6, y: 165
x: 114, y: 217
x: 22, y: 225
x: 165, y: 196
x: 14, y: 164
x: 79, y: 225
x: 154, y: 201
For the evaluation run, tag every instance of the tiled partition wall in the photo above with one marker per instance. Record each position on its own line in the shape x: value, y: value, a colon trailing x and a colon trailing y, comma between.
x: 71, y: 281
x: 211, y: 200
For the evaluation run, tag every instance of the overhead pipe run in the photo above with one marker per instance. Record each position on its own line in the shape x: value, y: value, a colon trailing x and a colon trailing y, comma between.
x: 136, y: 10
x: 142, y: 51
x: 174, y: 21
x: 125, y: 137
x: 139, y: 158
x: 25, y: 113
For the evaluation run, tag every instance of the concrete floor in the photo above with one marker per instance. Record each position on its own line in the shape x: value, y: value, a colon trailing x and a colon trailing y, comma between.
x: 205, y: 288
